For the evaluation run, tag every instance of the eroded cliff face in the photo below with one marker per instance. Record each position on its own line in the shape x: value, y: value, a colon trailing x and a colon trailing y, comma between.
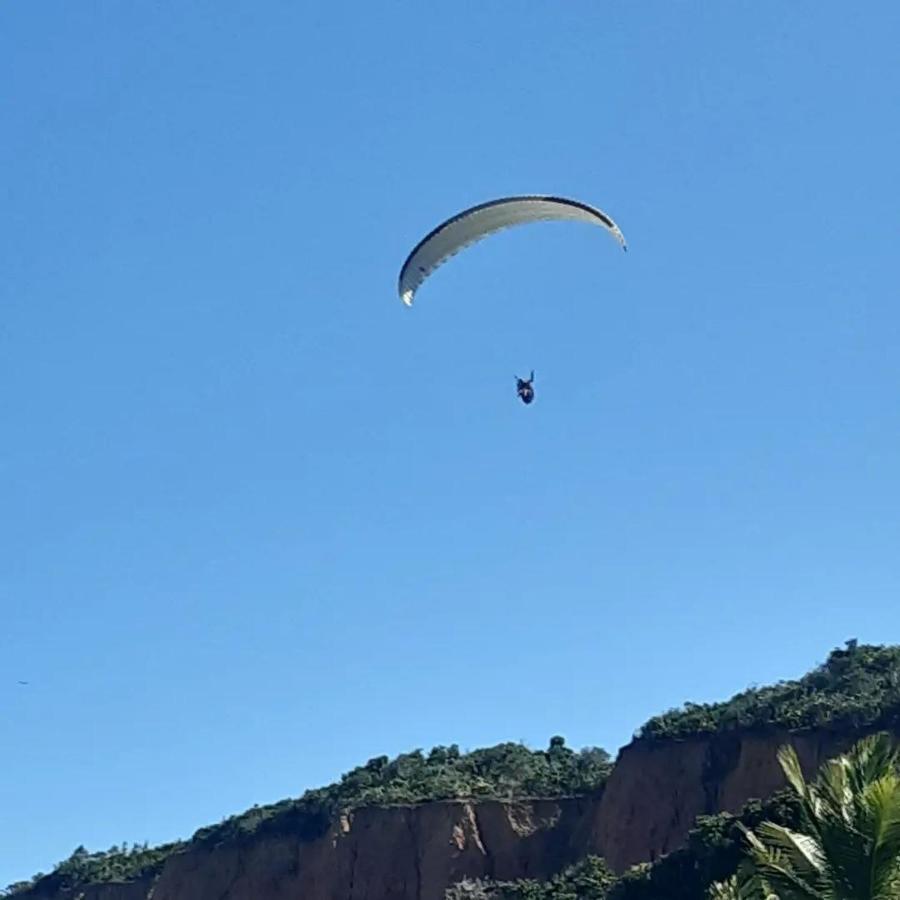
x: 414, y: 853
x: 391, y: 853
x: 657, y: 789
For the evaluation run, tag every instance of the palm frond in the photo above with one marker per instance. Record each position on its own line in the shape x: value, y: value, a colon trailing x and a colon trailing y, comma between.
x: 880, y: 812
x: 802, y: 852
x: 793, y: 772
x: 775, y: 871
x: 870, y: 758
x: 741, y: 886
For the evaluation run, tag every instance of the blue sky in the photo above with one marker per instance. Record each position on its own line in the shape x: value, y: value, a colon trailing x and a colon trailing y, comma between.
x: 261, y: 522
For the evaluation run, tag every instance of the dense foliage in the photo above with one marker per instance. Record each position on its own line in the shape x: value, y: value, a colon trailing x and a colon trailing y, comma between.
x: 857, y: 687
x: 589, y: 879
x: 116, y: 864
x: 507, y: 771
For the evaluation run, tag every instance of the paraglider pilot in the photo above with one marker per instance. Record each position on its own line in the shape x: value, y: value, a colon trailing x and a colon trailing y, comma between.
x: 524, y: 389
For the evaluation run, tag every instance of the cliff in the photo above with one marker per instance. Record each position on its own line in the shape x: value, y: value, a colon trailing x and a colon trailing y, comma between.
x: 658, y: 788
x: 655, y: 791
x: 373, y: 854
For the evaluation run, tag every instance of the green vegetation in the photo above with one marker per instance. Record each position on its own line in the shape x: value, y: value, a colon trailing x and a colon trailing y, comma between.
x: 505, y: 772
x: 848, y: 842
x: 116, y: 864
x: 857, y: 687
x: 588, y: 879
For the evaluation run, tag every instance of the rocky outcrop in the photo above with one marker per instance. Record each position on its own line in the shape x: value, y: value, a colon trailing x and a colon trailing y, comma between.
x: 415, y: 852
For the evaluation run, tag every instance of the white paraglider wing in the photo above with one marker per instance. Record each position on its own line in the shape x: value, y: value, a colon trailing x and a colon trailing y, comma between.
x: 476, y: 223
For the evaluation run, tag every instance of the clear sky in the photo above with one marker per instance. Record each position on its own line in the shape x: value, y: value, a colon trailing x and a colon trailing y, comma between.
x: 260, y: 522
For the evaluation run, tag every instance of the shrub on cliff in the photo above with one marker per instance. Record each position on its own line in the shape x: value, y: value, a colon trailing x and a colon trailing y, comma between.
x: 857, y: 687
x: 588, y: 879
x: 84, y: 867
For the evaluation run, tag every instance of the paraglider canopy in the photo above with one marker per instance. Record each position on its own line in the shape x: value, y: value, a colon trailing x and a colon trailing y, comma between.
x: 477, y: 222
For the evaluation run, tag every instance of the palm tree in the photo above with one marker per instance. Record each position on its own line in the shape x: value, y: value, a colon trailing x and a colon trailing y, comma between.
x: 849, y: 848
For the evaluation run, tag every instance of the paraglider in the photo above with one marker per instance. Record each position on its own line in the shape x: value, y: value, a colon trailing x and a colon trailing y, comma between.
x: 478, y: 222
x: 525, y: 389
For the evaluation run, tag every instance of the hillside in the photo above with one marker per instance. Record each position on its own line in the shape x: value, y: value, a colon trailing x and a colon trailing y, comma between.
x: 506, y: 772
x: 415, y: 826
